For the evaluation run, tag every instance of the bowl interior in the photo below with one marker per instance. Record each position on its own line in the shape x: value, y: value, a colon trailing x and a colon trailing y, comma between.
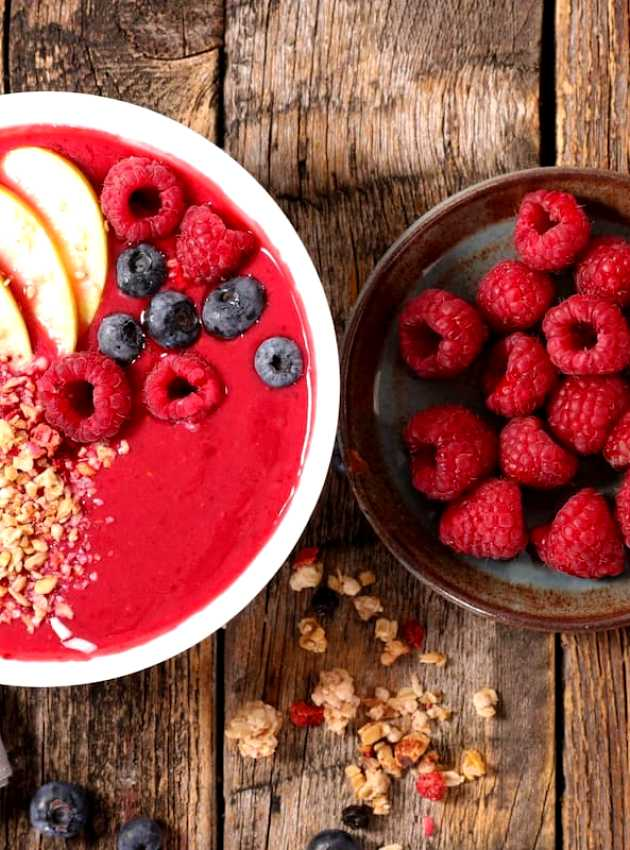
x: 451, y: 248
x: 144, y: 126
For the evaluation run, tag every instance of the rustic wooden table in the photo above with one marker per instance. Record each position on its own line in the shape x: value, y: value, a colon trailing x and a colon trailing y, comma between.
x: 357, y: 115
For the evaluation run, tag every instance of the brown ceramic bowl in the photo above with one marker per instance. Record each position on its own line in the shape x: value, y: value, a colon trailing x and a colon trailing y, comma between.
x: 451, y: 247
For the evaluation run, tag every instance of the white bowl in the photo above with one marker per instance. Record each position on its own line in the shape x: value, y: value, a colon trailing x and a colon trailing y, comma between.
x: 143, y: 126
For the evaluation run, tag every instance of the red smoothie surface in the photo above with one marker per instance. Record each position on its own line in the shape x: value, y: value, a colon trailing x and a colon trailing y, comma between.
x: 186, y: 510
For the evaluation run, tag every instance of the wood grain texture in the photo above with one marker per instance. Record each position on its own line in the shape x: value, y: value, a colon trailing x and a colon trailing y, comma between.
x: 593, y: 122
x: 358, y: 116
x: 144, y: 744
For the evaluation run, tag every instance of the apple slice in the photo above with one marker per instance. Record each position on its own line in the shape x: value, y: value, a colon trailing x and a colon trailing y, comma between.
x: 14, y: 339
x: 66, y: 201
x: 33, y: 262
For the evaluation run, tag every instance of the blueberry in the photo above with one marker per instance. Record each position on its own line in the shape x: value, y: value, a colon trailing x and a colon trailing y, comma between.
x: 333, y: 839
x: 171, y: 319
x: 232, y: 308
x: 120, y: 337
x: 356, y: 817
x: 278, y: 362
x: 324, y: 603
x: 140, y: 834
x: 141, y: 270
x: 59, y: 809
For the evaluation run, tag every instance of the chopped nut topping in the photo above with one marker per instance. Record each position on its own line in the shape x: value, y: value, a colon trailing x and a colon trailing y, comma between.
x: 370, y: 786
x: 393, y: 651
x: 437, y: 658
x: 335, y: 691
x: 312, y: 635
x: 344, y: 585
x: 485, y: 702
x: 367, y: 578
x: 385, y: 757
x: 306, y: 575
x: 255, y: 727
x: 367, y: 606
x: 473, y: 765
x: 372, y: 732
x: 452, y: 778
x: 385, y: 630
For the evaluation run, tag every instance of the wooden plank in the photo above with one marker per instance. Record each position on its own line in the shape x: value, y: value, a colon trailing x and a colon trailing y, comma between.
x: 593, y: 123
x: 144, y: 744
x: 358, y: 116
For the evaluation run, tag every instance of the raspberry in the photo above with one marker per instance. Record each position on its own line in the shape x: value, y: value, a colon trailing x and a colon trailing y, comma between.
x: 513, y: 297
x: 583, y: 539
x: 531, y: 457
x: 142, y: 199
x: 440, y: 334
x: 587, y: 337
x: 551, y: 230
x: 307, y: 555
x: 487, y: 522
x: 304, y: 714
x: 207, y: 250
x: 518, y: 375
x: 412, y: 634
x: 604, y: 271
x: 86, y: 396
x: 183, y: 387
x: 622, y: 510
x: 450, y: 448
x: 617, y: 448
x: 431, y: 786
x: 582, y: 411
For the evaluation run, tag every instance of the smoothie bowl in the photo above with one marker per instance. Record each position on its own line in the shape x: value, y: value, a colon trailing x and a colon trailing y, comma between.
x: 163, y: 436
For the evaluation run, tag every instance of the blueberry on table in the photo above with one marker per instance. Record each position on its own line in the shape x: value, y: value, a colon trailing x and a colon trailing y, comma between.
x: 140, y: 834
x: 120, y: 337
x: 333, y: 839
x: 141, y: 271
x: 232, y: 308
x: 171, y: 319
x: 324, y: 603
x: 356, y: 817
x: 278, y: 362
x: 59, y: 809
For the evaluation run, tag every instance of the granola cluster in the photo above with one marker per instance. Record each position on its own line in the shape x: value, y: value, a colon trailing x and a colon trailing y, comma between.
x: 255, y: 727
x: 44, y: 548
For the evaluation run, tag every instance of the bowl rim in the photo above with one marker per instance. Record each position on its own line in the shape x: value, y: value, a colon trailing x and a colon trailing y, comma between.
x: 140, y: 125
x: 466, y: 600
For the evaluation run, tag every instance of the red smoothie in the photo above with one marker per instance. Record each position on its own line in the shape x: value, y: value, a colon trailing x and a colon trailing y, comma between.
x: 182, y: 513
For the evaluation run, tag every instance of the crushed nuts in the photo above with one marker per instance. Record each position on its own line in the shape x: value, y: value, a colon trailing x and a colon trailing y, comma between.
x: 312, y: 635
x: 371, y: 785
x: 411, y: 748
x: 437, y: 658
x: 367, y: 578
x: 255, y: 727
x: 485, y: 702
x: 343, y: 584
x: 306, y: 576
x: 473, y: 765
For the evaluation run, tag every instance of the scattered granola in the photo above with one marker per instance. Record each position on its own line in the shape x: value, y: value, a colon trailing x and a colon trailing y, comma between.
x: 367, y: 578
x: 485, y: 702
x: 437, y: 658
x: 371, y: 785
x: 410, y: 749
x: 367, y: 606
x: 306, y: 575
x: 343, y: 584
x: 473, y: 765
x: 312, y: 635
x: 335, y: 692
x: 385, y: 630
x: 255, y: 728
x: 392, y: 847
x: 394, y: 649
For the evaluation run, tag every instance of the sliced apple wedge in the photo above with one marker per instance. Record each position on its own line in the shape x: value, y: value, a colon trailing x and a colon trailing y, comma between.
x: 14, y: 338
x: 64, y: 198
x: 31, y: 259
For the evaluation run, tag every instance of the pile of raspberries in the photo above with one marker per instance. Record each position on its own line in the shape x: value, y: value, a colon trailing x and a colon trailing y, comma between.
x: 552, y: 378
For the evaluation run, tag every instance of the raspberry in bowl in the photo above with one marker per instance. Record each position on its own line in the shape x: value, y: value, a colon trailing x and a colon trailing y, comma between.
x: 163, y: 439
x: 485, y: 387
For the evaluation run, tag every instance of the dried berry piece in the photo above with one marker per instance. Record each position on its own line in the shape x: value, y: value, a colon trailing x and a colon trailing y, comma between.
x: 413, y: 633
x: 431, y: 786
x: 304, y: 714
